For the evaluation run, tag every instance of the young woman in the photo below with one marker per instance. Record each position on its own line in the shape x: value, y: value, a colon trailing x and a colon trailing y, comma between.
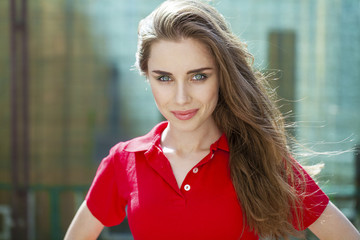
x: 219, y: 167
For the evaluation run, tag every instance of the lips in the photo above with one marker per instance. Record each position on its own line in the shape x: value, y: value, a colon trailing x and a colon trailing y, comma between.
x: 185, y: 115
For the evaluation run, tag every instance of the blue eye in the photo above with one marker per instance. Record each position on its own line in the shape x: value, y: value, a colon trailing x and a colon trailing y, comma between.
x: 199, y: 77
x: 164, y: 78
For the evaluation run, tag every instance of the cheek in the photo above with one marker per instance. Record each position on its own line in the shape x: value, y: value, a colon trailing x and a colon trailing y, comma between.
x: 212, y: 95
x: 159, y: 96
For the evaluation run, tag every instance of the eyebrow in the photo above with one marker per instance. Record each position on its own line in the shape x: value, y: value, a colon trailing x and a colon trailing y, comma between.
x: 189, y: 72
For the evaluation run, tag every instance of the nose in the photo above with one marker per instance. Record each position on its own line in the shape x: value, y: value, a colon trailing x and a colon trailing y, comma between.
x: 182, y: 95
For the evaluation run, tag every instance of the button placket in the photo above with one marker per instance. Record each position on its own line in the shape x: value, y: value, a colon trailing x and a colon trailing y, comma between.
x: 195, y: 171
x: 187, y: 187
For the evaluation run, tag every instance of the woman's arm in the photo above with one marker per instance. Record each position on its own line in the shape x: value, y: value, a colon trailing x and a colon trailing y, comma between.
x: 332, y: 224
x: 84, y: 225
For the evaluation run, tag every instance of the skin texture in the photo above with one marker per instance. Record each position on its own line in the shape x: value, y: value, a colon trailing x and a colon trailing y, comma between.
x: 183, y: 76
x: 333, y: 225
x: 84, y: 225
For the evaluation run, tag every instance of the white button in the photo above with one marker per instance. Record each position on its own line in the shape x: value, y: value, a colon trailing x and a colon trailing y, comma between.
x: 187, y: 187
x: 195, y: 170
x: 212, y: 155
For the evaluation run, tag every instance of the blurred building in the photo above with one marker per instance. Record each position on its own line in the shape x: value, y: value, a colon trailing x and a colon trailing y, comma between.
x: 83, y: 96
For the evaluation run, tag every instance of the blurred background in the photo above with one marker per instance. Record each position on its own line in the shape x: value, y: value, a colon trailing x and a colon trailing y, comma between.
x: 67, y: 94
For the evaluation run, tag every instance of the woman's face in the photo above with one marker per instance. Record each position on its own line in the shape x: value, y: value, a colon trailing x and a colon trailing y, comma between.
x: 184, y: 81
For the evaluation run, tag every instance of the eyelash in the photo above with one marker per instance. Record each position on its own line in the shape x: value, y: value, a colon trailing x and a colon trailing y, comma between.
x: 202, y: 77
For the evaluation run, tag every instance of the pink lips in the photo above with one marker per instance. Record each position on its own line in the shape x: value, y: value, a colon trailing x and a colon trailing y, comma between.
x: 185, y: 115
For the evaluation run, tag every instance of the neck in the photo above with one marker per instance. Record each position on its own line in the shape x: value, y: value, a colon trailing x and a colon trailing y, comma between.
x: 186, y: 142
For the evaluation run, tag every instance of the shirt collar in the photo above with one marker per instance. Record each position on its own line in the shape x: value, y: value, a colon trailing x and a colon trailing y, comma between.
x: 221, y: 143
x: 152, y: 139
x: 145, y: 142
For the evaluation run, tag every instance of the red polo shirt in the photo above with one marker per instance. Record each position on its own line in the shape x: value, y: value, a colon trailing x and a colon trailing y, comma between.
x: 137, y: 174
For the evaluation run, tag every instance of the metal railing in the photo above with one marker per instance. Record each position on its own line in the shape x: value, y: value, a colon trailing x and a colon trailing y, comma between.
x: 54, y: 193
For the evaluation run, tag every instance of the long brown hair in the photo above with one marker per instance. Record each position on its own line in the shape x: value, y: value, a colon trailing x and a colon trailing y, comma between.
x: 262, y: 169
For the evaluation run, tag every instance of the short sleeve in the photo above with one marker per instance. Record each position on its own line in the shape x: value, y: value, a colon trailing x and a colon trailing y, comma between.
x: 103, y: 198
x: 313, y: 199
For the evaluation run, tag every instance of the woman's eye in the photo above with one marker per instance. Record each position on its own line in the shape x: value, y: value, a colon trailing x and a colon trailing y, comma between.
x: 199, y: 77
x: 164, y: 78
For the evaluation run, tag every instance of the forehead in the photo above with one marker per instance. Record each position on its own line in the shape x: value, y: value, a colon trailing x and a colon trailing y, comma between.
x: 183, y: 54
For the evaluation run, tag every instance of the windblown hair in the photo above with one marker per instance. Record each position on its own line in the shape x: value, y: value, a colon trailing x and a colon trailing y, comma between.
x: 261, y: 166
